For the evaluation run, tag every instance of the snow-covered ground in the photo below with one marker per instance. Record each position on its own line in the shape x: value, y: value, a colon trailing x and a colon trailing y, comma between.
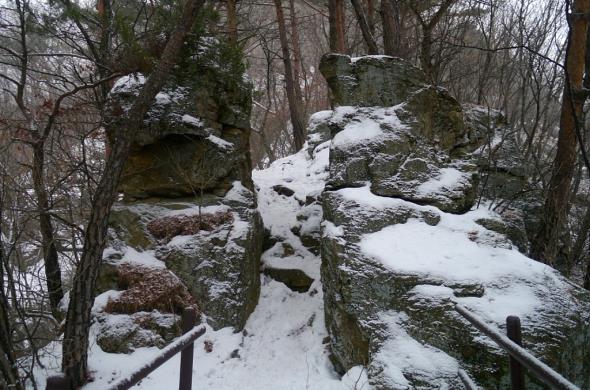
x: 283, y: 345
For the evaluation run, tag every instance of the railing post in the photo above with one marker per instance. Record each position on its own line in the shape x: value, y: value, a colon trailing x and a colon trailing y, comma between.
x: 58, y: 382
x: 516, y: 369
x: 189, y: 316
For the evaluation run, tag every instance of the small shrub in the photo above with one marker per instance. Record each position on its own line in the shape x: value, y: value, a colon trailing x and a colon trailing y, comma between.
x: 166, y: 228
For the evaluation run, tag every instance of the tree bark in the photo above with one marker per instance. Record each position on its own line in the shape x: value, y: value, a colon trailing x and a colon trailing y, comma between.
x: 75, y: 342
x: 232, y: 21
x: 50, y: 256
x: 298, y: 129
x: 390, y: 19
x: 546, y: 245
x: 337, y: 20
x: 8, y: 367
x: 296, y: 58
x: 364, y: 25
x: 371, y: 16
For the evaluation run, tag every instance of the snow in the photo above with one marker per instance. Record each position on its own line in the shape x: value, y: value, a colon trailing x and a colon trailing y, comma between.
x: 375, y: 56
x: 223, y: 144
x: 364, y: 130
x: 447, y: 178
x: 401, y: 354
x: 453, y: 255
x: 128, y: 83
x: 145, y: 259
x: 281, y: 348
x: 191, y: 120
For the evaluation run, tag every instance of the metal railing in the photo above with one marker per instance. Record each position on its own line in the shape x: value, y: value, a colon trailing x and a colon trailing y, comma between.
x: 184, y: 345
x: 520, y: 358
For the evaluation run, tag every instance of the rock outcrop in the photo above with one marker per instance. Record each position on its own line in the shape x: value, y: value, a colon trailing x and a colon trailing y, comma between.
x: 189, y: 205
x: 401, y: 244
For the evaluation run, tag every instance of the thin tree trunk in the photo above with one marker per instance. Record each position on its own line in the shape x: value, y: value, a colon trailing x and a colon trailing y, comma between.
x: 546, y: 245
x: 390, y: 19
x: 105, y: 13
x: 232, y: 21
x: 337, y: 20
x: 371, y: 16
x: 75, y: 342
x: 50, y: 256
x: 298, y: 129
x: 8, y: 367
x: 364, y: 25
x: 296, y: 58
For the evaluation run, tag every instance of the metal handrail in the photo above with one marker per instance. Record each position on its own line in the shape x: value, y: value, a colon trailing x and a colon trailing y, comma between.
x: 542, y: 371
x: 183, y: 344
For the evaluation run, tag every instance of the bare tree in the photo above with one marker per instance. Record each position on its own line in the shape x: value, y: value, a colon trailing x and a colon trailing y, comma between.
x: 427, y: 25
x: 546, y: 244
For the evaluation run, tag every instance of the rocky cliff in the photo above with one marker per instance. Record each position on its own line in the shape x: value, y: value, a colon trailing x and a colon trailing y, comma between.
x: 403, y: 241
x: 188, y: 217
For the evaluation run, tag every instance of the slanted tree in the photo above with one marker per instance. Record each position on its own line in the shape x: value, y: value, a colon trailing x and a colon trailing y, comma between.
x: 546, y: 245
x: 365, y: 27
x: 294, y: 104
x: 75, y: 340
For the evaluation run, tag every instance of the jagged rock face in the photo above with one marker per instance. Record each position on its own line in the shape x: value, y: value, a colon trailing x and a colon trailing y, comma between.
x: 220, y: 266
x: 409, y: 147
x: 370, y: 81
x: 400, y: 247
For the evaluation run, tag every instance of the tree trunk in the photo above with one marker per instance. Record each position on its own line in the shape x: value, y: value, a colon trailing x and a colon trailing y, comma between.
x: 7, y: 359
x: 232, y: 21
x: 390, y: 19
x: 426, y: 52
x: 298, y: 129
x: 296, y: 58
x: 364, y: 25
x: 105, y: 13
x: 75, y: 342
x: 546, y: 245
x: 337, y: 20
x: 50, y: 256
x: 371, y: 16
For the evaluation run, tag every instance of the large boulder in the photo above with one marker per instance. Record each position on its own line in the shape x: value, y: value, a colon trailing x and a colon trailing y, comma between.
x: 400, y: 246
x: 408, y: 146
x: 195, y: 137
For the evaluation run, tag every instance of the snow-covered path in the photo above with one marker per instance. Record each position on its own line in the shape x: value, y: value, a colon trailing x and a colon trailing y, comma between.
x: 283, y: 345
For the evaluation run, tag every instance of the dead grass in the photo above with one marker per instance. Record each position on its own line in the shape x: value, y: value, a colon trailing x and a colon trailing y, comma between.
x: 166, y: 228
x: 148, y: 289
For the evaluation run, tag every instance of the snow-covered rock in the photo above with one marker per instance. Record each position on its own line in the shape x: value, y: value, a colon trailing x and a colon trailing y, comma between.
x: 195, y: 137
x: 400, y: 246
